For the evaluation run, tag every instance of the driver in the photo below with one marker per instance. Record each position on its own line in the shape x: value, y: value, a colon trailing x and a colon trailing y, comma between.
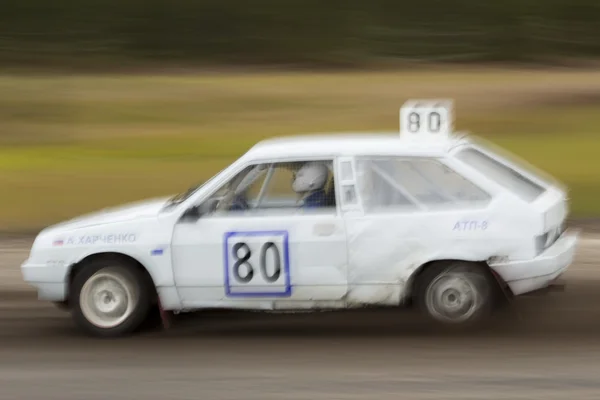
x: 309, y: 182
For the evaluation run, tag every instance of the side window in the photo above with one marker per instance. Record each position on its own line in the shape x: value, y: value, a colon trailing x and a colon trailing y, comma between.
x: 286, y: 187
x: 279, y: 192
x: 378, y: 186
x: 432, y: 182
x: 414, y: 183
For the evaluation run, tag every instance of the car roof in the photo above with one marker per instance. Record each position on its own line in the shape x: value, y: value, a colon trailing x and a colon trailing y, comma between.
x: 350, y: 144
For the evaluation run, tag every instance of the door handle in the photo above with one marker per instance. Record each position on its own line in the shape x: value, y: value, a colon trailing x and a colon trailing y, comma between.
x: 324, y: 229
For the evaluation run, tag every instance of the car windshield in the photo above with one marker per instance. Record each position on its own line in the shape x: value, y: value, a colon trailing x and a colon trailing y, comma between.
x: 180, y: 197
x: 183, y: 196
x: 506, y: 170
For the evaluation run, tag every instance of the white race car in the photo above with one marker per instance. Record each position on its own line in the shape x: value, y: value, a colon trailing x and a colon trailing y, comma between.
x: 425, y: 217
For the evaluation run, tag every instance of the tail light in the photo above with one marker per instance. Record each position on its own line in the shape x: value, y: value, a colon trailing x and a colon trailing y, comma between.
x: 546, y: 240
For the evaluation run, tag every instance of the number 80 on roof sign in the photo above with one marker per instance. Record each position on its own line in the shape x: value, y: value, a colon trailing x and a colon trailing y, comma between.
x: 426, y: 119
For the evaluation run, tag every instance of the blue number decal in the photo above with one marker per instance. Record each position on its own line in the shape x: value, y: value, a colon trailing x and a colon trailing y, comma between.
x: 257, y: 264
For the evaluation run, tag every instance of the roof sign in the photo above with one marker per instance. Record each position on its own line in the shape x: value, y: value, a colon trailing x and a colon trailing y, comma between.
x: 426, y: 120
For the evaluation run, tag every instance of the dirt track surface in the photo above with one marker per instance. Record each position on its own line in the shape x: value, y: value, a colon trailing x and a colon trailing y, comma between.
x: 542, y: 348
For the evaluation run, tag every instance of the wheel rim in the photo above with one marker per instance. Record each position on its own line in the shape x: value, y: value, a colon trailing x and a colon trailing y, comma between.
x: 453, y: 297
x: 107, y: 299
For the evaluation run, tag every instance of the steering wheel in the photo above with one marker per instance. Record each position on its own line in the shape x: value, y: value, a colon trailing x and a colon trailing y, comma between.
x: 239, y: 202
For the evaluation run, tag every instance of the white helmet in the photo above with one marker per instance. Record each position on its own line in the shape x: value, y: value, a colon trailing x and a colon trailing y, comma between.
x: 311, y: 176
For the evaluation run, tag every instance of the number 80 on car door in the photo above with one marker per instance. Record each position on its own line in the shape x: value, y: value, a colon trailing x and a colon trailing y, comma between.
x: 257, y: 264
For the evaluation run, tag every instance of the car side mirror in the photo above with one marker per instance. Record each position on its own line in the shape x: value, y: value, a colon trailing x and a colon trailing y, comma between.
x: 196, y: 212
x: 191, y: 214
x: 209, y: 206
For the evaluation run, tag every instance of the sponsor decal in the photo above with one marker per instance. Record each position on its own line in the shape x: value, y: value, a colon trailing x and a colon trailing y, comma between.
x: 157, y: 252
x: 87, y: 240
x: 55, y: 263
x: 470, y: 225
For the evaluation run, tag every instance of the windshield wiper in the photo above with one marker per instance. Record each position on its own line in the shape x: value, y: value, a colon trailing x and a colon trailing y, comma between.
x: 178, y: 198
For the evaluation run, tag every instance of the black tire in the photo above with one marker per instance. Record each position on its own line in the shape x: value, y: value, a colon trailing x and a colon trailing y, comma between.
x: 126, y: 272
x: 443, y: 279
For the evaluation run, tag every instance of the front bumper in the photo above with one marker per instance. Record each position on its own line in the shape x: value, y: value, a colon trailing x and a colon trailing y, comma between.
x: 523, y: 276
x: 50, y: 280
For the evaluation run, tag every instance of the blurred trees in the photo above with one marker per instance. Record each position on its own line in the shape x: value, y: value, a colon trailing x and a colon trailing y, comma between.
x: 300, y: 32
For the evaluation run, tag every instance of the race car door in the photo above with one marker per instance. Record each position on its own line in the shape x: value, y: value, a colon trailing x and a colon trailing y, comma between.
x: 254, y: 244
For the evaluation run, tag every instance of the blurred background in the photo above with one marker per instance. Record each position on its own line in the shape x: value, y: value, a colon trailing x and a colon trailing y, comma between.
x: 108, y: 101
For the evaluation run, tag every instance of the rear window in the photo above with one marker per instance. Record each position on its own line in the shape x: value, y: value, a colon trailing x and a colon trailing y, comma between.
x: 504, y: 175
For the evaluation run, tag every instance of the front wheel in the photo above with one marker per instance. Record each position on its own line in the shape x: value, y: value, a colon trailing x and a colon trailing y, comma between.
x: 456, y: 294
x: 110, y: 298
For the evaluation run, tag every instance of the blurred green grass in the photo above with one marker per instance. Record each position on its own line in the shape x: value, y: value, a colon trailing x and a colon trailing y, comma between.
x: 73, y: 144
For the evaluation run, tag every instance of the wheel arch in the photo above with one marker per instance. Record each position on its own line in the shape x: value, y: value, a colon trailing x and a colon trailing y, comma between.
x: 409, y: 292
x: 78, y: 266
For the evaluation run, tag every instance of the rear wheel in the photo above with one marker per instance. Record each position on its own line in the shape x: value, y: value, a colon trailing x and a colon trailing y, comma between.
x: 456, y: 294
x: 110, y: 298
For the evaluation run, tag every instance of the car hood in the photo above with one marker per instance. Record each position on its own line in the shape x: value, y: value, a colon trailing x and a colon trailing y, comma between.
x: 126, y: 212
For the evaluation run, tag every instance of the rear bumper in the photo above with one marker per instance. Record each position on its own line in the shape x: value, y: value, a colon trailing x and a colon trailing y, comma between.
x: 523, y: 276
